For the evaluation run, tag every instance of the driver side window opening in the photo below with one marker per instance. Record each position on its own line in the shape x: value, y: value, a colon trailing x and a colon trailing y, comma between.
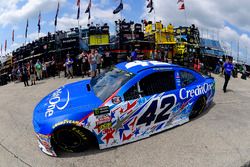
x: 132, y: 93
x: 155, y: 83
x: 186, y: 78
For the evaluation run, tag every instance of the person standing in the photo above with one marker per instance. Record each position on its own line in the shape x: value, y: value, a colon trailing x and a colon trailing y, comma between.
x: 18, y: 73
x: 217, y: 68
x: 244, y: 72
x: 38, y: 67
x: 24, y: 73
x: 107, y: 59
x: 44, y: 69
x: 133, y: 55
x: 92, y: 63
x: 53, y: 67
x: 84, y: 64
x: 13, y: 74
x: 69, y: 66
x: 98, y: 61
x: 32, y: 72
x: 228, y: 68
x: 197, y: 66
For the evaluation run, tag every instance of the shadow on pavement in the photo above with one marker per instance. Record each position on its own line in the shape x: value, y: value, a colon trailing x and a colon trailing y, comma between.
x: 91, y: 151
x: 230, y: 90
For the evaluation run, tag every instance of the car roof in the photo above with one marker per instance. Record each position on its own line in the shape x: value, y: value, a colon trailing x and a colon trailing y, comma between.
x: 137, y: 66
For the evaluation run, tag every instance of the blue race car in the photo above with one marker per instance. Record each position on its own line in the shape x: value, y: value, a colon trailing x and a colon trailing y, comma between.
x: 127, y: 103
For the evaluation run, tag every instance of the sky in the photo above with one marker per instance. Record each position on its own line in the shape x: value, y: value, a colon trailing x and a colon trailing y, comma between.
x: 216, y: 19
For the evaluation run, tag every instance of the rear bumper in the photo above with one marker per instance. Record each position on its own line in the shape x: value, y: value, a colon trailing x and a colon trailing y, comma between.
x: 44, y: 143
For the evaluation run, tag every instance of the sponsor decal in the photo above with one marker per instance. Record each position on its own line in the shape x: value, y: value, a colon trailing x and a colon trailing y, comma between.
x: 177, y: 75
x: 55, y: 102
x: 105, y: 126
x: 199, y: 90
x: 104, y: 122
x: 116, y: 100
x: 104, y: 119
x: 66, y: 122
x: 101, y: 110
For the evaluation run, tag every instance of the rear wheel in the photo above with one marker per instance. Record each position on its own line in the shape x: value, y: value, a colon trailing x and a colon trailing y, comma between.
x: 71, y: 139
x: 198, y: 107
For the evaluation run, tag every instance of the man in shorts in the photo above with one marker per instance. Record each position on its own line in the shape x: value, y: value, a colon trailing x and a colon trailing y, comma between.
x: 92, y: 63
x: 69, y: 66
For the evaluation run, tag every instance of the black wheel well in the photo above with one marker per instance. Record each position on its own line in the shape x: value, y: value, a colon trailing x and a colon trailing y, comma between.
x: 86, y: 131
x: 192, y: 114
x: 202, y: 96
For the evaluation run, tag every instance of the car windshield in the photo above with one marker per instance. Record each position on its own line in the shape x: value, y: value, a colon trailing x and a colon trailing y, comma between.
x: 108, y: 82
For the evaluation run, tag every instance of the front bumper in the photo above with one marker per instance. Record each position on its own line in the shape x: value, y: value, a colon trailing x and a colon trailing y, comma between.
x: 44, y: 143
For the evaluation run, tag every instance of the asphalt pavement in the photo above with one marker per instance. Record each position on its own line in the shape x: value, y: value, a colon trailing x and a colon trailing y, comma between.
x: 219, y: 138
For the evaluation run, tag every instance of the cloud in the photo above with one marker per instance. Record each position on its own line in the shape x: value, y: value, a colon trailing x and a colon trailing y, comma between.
x: 206, y: 13
x: 34, y: 35
x: 98, y: 16
x: 10, y: 13
x: 210, y: 16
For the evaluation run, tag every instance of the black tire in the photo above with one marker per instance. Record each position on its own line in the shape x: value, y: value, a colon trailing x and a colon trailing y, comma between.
x: 71, y: 139
x: 198, y: 107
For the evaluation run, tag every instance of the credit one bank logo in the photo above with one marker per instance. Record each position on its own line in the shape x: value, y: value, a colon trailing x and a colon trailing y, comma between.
x: 55, y: 102
x: 199, y: 90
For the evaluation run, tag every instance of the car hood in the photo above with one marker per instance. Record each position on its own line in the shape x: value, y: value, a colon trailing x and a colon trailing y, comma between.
x: 73, y: 101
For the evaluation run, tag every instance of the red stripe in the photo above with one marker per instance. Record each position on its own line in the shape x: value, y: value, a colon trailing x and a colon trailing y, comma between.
x: 111, y: 97
x: 86, y: 117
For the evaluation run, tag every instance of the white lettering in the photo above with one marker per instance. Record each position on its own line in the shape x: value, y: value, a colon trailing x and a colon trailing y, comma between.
x: 181, y: 94
x: 144, y: 63
x: 136, y: 63
x: 53, y: 103
x: 192, y: 93
x: 200, y: 89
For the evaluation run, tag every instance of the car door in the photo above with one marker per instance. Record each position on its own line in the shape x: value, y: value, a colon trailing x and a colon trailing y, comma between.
x: 147, y: 105
x: 188, y: 84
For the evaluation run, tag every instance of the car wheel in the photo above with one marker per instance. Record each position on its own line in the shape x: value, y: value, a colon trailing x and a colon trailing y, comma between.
x: 71, y: 139
x: 198, y: 107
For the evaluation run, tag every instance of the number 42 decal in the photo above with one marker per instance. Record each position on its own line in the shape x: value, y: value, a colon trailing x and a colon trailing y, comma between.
x: 158, y: 110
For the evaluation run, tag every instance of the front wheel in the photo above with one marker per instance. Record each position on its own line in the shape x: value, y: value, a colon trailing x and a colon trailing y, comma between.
x: 198, y: 107
x: 71, y: 139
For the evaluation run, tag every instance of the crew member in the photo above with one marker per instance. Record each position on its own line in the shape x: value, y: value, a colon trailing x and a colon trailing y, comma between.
x: 228, y: 68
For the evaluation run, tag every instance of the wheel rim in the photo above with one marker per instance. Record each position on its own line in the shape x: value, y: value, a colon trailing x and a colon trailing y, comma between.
x: 198, y: 107
x: 201, y: 105
x: 68, y: 139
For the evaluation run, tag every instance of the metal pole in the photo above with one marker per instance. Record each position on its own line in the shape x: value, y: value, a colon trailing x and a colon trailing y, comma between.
x: 238, y: 51
x: 154, y: 16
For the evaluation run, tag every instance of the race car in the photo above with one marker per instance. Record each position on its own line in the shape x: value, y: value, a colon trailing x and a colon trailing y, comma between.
x: 126, y: 103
